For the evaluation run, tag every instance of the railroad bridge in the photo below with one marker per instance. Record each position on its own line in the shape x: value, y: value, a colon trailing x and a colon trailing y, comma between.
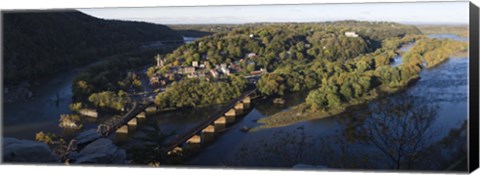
x: 205, y: 131
x: 188, y: 141
x: 120, y: 124
x: 141, y: 108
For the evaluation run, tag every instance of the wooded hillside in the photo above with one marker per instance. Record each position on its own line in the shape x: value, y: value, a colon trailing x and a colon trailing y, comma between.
x: 38, y: 44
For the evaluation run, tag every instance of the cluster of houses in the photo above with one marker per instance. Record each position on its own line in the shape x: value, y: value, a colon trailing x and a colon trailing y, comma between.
x: 199, y: 69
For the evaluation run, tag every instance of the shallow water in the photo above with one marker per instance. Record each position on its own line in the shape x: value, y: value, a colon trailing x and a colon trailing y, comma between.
x: 445, y: 86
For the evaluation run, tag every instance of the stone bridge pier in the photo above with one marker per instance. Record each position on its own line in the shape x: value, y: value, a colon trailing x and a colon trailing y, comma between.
x: 220, y: 124
x: 194, y: 143
x: 207, y: 131
x: 208, y: 134
x: 131, y: 125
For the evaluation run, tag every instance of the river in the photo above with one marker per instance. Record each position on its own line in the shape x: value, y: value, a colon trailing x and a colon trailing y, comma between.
x: 445, y: 85
x: 188, y: 40
x: 22, y: 119
x: 51, y: 98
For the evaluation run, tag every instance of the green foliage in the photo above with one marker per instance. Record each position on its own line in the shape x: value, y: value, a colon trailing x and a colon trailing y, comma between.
x: 317, y: 99
x: 47, y: 138
x: 327, y: 96
x: 238, y: 82
x: 433, y: 51
x: 276, y: 44
x: 109, y: 99
x: 131, y: 81
x: 271, y: 84
x: 70, y: 121
x: 298, y: 76
x: 110, y: 75
x: 299, y: 56
x: 396, y: 42
x: 460, y: 30
x: 356, y: 79
x: 198, y: 91
x: 346, y: 91
x: 81, y: 88
x: 251, y: 67
x: 76, y: 106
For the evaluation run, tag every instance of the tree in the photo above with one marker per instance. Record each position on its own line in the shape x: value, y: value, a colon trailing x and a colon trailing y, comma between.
x: 399, y: 127
x: 365, y: 82
x: 334, y: 100
x: 161, y: 101
x: 317, y: 99
x: 271, y: 84
x: 151, y: 71
x: 199, y: 91
x: 250, y: 67
x: 286, y: 150
x: 82, y: 88
x: 47, y: 138
x: 109, y: 99
x: 346, y: 91
x: 76, y: 106
x: 238, y: 82
x: 299, y: 56
x: 137, y: 83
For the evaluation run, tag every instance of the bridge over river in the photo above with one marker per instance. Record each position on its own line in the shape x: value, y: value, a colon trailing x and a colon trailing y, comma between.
x: 200, y: 134
x: 120, y: 123
x: 143, y: 104
x: 205, y: 131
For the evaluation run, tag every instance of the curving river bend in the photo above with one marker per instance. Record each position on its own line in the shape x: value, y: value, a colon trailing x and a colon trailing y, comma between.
x: 447, y: 83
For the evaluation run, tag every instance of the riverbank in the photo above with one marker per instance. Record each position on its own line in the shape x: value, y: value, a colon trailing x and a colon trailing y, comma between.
x: 457, y: 55
x: 302, y: 112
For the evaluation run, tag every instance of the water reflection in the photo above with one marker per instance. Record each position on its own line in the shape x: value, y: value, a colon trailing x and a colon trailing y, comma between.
x: 399, y: 127
x: 390, y: 133
x: 443, y: 88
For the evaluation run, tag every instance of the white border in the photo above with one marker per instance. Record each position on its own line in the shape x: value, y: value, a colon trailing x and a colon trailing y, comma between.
x: 83, y: 170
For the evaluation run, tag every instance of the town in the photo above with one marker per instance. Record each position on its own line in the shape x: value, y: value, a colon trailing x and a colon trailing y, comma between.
x: 162, y: 75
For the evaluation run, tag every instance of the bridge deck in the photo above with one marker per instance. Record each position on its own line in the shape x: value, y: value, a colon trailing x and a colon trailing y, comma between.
x: 116, y: 123
x: 188, y: 134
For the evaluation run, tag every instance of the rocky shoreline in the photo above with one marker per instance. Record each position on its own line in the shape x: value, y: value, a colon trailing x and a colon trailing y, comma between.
x: 92, y: 149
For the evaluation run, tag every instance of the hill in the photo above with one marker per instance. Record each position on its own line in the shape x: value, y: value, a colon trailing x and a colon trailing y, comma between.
x: 274, y: 43
x: 38, y: 44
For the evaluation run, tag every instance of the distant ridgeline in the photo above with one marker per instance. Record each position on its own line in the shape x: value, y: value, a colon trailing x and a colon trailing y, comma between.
x: 37, y: 44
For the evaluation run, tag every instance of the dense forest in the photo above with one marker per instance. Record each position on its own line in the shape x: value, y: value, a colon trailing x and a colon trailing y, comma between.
x: 336, y: 70
x: 363, y: 78
x: 434, y: 51
x: 299, y: 56
x: 199, y: 91
x: 276, y: 42
x: 38, y: 44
